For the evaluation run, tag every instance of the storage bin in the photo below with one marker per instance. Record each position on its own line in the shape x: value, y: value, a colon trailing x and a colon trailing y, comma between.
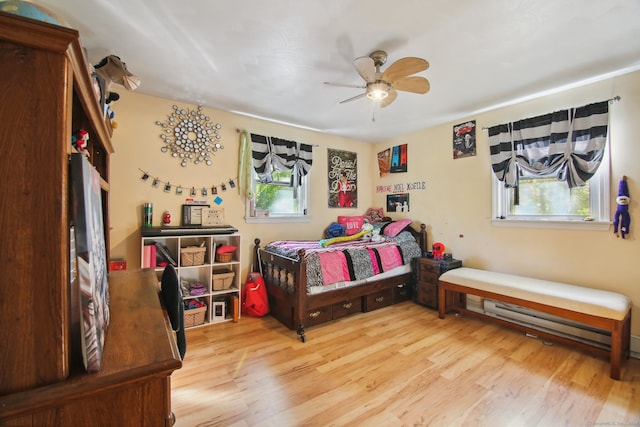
x: 222, y: 280
x: 192, y: 255
x: 224, y: 257
x: 194, y: 317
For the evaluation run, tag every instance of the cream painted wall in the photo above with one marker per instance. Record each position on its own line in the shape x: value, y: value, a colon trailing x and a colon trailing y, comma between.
x: 137, y: 147
x: 456, y: 204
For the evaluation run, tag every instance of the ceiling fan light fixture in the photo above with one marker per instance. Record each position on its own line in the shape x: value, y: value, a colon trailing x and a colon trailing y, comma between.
x: 378, y: 90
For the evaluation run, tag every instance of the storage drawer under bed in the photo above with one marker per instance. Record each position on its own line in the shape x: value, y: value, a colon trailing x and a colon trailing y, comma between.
x: 378, y: 300
x: 318, y: 315
x: 347, y: 307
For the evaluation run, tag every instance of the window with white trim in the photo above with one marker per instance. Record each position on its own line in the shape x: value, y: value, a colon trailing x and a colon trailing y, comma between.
x: 278, y: 200
x: 279, y: 180
x: 552, y: 169
x: 545, y: 199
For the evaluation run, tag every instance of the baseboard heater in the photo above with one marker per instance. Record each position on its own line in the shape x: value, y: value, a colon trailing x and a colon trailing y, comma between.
x: 548, y: 323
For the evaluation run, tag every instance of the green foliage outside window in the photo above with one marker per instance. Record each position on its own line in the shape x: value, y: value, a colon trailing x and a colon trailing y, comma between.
x: 548, y: 196
x: 276, y: 196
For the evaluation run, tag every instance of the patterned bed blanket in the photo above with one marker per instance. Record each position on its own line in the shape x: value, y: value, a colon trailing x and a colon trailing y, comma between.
x: 348, y: 261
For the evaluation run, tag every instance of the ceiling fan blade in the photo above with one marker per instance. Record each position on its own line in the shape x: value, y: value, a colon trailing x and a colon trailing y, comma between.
x: 390, y: 98
x: 404, y: 67
x: 415, y: 84
x: 362, y: 95
x: 345, y: 85
x: 366, y: 68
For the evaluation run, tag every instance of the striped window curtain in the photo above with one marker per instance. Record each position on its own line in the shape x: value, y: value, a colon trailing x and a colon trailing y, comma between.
x: 270, y: 153
x: 568, y: 143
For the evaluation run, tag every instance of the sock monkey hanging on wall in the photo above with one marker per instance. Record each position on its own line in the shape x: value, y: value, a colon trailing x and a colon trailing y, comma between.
x: 622, y: 219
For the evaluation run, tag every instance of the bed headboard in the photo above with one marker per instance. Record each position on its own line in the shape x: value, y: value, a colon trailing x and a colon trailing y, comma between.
x: 420, y: 236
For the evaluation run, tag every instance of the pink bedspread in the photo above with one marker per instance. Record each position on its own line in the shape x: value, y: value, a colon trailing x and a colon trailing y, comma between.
x: 347, y: 261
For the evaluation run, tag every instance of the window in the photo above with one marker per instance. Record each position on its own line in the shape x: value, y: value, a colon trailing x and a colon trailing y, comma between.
x: 279, y: 180
x: 278, y: 200
x: 547, y: 202
x: 553, y: 170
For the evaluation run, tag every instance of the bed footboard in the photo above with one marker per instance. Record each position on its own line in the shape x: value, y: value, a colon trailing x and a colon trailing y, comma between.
x: 285, y: 279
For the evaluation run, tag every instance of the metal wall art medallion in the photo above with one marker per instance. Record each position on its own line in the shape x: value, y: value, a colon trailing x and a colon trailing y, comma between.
x: 190, y: 136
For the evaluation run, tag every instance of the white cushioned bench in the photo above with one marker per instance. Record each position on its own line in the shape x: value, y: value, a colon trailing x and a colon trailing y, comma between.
x: 601, y: 309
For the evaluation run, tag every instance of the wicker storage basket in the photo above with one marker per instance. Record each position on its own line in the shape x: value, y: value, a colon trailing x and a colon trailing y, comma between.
x: 225, y: 257
x: 192, y: 255
x: 194, y: 317
x: 223, y: 280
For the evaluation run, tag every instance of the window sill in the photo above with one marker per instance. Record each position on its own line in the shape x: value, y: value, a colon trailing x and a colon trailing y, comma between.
x: 540, y: 223
x: 276, y: 219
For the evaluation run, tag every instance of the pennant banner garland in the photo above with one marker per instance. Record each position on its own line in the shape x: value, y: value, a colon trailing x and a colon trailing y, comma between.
x: 189, y: 190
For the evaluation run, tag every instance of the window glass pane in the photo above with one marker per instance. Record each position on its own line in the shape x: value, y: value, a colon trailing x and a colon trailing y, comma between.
x: 548, y: 196
x: 277, y: 197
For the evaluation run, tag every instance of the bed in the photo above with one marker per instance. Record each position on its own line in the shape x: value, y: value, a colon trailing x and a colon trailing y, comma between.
x: 309, y: 284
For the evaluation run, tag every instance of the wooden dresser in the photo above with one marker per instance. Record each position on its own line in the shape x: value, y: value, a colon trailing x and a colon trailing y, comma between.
x: 46, y: 95
x: 133, y: 386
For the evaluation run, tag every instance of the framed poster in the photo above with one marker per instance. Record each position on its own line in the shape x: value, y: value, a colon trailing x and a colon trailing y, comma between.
x: 342, y: 179
x: 91, y: 259
x: 384, y: 162
x: 399, y: 159
x: 398, y: 202
x: 464, y: 140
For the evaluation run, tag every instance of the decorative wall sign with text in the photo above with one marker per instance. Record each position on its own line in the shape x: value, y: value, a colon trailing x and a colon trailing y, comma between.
x: 342, y: 178
x: 402, y: 187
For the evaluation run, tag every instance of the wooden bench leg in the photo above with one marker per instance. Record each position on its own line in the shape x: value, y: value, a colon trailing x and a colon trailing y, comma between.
x: 442, y: 293
x: 616, y: 349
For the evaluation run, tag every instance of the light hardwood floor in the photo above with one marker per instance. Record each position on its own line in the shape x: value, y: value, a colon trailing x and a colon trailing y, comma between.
x: 398, y: 366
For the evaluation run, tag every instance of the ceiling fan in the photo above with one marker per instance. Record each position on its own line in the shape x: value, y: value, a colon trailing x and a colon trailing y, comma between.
x: 382, y: 87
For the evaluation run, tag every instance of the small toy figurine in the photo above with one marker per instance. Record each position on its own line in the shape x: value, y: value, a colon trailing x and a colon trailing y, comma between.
x: 622, y: 219
x: 166, y: 218
x: 79, y: 140
x: 438, y: 251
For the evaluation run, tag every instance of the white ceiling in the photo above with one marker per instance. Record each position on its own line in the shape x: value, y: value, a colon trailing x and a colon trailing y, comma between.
x: 269, y: 59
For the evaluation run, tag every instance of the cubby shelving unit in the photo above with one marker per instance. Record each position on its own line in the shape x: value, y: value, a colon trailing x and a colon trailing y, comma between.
x: 222, y: 299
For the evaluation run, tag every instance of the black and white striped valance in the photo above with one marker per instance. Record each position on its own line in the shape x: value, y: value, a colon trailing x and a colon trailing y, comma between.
x: 270, y: 153
x: 540, y: 146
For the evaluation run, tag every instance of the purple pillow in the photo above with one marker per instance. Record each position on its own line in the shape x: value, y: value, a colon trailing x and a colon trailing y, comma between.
x: 394, y: 228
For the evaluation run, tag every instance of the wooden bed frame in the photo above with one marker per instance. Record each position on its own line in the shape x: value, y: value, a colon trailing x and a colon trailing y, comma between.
x: 286, y: 281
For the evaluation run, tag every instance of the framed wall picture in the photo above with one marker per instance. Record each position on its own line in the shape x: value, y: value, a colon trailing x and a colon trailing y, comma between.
x: 398, y: 202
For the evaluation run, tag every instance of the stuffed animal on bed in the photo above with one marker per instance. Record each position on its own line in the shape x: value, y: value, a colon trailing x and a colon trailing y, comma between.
x: 334, y: 230
x: 366, y: 228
